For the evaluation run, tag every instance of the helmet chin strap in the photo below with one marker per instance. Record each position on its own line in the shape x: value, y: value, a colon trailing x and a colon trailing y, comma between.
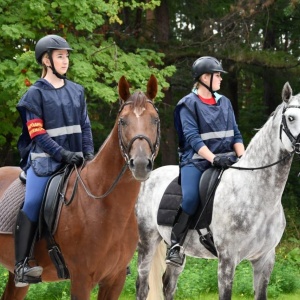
x: 53, y: 68
x: 209, y: 87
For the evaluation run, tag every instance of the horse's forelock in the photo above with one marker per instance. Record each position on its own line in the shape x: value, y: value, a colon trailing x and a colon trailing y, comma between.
x: 139, y: 100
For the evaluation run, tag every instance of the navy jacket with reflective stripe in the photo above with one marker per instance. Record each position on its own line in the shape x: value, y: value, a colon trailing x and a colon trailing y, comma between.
x: 198, y: 124
x: 65, y: 118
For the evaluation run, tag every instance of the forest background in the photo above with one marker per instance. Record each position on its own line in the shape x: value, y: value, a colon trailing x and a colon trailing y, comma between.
x: 258, y: 43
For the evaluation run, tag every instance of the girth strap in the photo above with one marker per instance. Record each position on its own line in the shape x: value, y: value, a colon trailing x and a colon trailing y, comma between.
x: 56, y: 256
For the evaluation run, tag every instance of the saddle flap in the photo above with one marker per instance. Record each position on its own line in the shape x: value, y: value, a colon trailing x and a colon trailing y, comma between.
x: 51, y: 200
x: 52, y: 196
x: 207, y: 183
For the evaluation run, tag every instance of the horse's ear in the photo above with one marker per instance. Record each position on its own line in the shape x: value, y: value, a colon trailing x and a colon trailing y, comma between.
x: 123, y: 88
x: 287, y: 92
x: 152, y: 87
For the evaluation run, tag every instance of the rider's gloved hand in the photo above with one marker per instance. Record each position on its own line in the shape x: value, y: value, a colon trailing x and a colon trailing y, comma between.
x: 71, y: 158
x: 223, y: 162
x: 88, y: 156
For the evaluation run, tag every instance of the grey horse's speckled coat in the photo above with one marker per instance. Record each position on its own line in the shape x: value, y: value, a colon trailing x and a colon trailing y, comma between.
x: 248, y: 218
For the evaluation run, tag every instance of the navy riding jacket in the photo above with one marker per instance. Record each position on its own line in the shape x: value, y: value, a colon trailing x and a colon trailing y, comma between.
x: 65, y: 122
x: 198, y: 124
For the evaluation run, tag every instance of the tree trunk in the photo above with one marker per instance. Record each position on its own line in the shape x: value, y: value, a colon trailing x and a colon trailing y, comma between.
x: 168, y: 147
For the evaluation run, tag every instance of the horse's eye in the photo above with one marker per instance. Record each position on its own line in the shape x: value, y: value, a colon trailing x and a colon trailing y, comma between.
x: 155, y: 121
x: 122, y: 122
x: 291, y: 118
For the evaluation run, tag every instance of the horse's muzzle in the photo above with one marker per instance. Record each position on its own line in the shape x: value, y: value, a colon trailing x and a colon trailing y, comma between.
x: 140, y: 168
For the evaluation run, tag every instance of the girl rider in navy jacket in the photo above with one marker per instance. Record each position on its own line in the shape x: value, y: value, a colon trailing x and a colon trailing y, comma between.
x: 208, y: 135
x: 56, y: 131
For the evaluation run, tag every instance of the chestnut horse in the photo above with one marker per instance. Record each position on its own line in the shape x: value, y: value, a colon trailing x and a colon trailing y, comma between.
x: 97, y: 232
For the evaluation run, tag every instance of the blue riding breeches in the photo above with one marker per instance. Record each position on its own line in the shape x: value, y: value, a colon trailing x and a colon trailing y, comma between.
x: 190, y: 177
x: 35, y: 188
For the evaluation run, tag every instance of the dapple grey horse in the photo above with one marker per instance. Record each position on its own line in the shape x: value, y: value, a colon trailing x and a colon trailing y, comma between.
x: 248, y: 218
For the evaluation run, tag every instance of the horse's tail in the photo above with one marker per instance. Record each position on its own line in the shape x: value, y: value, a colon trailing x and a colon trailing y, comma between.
x: 157, y: 270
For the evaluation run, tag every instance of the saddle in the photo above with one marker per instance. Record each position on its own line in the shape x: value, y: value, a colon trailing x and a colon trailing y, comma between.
x: 171, y: 203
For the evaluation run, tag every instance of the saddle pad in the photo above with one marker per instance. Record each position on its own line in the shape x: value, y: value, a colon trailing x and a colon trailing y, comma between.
x: 170, y: 204
x: 10, y: 203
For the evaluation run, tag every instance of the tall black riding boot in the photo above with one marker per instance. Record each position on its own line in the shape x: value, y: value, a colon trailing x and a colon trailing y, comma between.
x: 178, y: 234
x: 24, y: 237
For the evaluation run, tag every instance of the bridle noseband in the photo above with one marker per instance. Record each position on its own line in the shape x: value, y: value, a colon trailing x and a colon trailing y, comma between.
x: 125, y: 152
x: 283, y: 127
x: 125, y: 149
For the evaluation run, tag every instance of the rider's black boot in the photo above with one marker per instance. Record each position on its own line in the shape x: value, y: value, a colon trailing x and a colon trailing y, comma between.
x: 178, y: 234
x: 24, y: 237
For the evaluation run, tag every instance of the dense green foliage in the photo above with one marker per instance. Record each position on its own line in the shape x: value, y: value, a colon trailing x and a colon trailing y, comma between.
x: 97, y: 62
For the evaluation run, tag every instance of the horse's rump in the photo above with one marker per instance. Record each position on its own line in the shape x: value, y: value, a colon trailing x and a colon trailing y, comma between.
x: 10, y: 203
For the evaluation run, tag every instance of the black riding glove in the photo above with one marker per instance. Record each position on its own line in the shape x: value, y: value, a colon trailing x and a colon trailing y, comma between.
x: 71, y: 158
x: 223, y: 162
x: 88, y: 156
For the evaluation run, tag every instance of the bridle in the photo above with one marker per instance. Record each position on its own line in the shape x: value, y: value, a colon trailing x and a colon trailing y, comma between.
x: 125, y: 149
x: 284, y: 128
x: 294, y: 140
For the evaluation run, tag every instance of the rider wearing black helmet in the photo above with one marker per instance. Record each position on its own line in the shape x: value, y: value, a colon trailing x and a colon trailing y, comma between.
x: 56, y: 130
x: 206, y: 65
x: 46, y: 45
x: 208, y: 135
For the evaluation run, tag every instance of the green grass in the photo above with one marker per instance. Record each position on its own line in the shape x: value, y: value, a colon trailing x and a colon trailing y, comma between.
x: 197, y: 282
x: 199, y: 279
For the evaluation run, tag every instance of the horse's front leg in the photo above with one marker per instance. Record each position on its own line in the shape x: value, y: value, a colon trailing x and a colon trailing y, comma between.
x: 226, y: 269
x: 111, y: 288
x: 81, y: 286
x: 262, y: 269
x: 12, y: 292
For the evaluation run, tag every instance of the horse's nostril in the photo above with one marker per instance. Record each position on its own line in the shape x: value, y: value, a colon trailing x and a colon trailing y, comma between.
x: 131, y: 163
x: 150, y: 165
x: 137, y: 164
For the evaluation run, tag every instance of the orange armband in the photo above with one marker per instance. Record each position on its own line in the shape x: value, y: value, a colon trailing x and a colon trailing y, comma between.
x: 35, y: 127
